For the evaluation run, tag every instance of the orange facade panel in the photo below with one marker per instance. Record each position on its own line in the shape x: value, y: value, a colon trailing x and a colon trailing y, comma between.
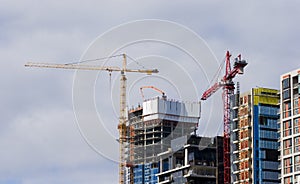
x: 244, y: 133
x: 286, y: 76
x: 243, y: 155
x: 244, y: 144
x: 243, y: 111
x: 243, y: 122
x: 244, y: 175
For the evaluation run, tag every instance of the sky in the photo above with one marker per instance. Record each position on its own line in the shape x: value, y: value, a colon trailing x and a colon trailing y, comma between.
x: 41, y: 135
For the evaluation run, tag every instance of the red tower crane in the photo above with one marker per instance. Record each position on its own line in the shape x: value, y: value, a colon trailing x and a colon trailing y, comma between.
x: 228, y: 88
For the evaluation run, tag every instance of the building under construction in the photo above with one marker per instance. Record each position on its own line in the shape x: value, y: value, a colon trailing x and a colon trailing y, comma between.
x: 254, y: 137
x: 193, y: 160
x: 151, y: 127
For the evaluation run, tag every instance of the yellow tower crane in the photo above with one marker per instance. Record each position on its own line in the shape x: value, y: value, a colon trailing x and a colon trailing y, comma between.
x: 122, y: 119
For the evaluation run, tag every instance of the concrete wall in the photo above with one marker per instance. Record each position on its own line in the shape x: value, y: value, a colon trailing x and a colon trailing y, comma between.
x: 158, y: 108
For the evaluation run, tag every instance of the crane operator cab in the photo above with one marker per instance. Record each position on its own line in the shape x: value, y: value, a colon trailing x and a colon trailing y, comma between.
x: 239, y: 64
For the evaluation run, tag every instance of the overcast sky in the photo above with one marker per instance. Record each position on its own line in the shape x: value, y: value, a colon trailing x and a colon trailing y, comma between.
x: 39, y: 138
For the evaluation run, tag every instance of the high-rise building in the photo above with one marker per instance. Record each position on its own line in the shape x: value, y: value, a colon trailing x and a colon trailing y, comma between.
x: 152, y: 126
x: 290, y: 127
x: 193, y: 160
x: 254, y: 137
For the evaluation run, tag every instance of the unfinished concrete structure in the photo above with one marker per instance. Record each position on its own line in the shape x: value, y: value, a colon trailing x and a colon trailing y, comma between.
x: 152, y: 126
x: 192, y: 160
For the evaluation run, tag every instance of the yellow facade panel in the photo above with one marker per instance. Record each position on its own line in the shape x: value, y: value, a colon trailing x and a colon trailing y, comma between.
x: 265, y: 96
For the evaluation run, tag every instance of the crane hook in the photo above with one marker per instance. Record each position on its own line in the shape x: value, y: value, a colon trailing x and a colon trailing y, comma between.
x: 109, y: 73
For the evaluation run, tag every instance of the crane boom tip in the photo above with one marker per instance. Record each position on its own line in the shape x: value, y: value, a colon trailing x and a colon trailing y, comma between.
x: 155, y: 71
x: 27, y: 64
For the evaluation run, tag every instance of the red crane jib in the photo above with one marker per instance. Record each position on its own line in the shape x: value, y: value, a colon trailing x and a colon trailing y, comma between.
x: 210, y: 91
x: 227, y: 79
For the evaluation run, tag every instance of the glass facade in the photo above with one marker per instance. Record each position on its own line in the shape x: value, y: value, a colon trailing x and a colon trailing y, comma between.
x: 267, y: 143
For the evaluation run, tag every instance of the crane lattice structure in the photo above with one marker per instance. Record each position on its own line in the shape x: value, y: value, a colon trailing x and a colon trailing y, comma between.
x: 122, y: 119
x: 228, y: 89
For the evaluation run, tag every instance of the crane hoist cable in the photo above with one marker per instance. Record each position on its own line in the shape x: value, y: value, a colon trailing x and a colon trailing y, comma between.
x: 218, y: 73
x: 96, y: 59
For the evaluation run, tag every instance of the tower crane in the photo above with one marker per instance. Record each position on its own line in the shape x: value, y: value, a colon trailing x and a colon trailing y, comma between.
x: 154, y: 88
x: 122, y: 119
x: 228, y: 88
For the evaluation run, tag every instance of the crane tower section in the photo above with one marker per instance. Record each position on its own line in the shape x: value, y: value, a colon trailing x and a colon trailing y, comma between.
x: 228, y: 88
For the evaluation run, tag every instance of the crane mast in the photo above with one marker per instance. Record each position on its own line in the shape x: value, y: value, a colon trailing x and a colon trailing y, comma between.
x: 122, y: 119
x: 228, y: 88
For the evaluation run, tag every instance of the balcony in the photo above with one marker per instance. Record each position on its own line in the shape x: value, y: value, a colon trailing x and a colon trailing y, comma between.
x: 202, y: 172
